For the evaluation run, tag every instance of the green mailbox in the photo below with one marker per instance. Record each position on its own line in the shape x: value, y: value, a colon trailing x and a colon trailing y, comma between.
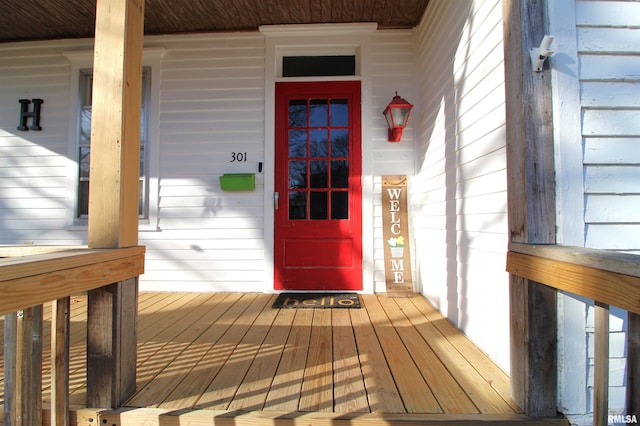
x: 238, y: 181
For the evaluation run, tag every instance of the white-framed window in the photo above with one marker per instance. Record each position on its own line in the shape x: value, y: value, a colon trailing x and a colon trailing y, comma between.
x: 84, y: 144
x: 80, y: 136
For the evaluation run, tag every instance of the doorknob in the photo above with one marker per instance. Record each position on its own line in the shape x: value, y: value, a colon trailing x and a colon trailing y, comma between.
x: 276, y: 199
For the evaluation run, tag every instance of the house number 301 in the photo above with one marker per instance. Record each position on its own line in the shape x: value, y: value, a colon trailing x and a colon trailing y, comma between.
x: 239, y: 157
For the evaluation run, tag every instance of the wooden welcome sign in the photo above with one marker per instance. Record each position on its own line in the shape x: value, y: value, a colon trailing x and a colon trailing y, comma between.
x: 395, y: 223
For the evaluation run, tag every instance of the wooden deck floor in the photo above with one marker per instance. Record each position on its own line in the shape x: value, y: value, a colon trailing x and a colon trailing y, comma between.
x: 233, y: 353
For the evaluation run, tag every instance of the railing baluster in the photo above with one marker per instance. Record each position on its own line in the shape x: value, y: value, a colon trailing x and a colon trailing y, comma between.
x: 601, y: 365
x: 60, y: 362
x: 10, y: 348
x: 633, y: 366
x: 28, y: 387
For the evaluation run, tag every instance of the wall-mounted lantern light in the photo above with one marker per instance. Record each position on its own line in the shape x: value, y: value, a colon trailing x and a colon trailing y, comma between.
x: 397, y: 115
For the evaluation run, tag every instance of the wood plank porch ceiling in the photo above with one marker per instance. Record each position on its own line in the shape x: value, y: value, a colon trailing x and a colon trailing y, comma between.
x: 232, y: 352
x: 52, y: 19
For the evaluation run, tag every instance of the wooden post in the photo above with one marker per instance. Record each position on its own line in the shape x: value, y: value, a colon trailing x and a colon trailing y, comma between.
x: 112, y: 337
x: 531, y: 202
x: 115, y: 124
x: 113, y: 195
x: 633, y: 366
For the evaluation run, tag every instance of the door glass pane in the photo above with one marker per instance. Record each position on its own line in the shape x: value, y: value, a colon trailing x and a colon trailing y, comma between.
x: 340, y: 174
x: 339, y: 205
x: 319, y: 112
x: 318, y: 205
x: 339, y: 112
x: 318, y: 143
x: 297, y: 205
x: 297, y: 174
x: 318, y: 150
x: 319, y: 176
x: 298, y: 113
x: 339, y: 143
x: 297, y: 143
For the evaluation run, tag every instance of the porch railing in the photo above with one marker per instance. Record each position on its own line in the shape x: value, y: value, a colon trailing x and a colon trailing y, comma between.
x: 609, y: 278
x: 29, y: 277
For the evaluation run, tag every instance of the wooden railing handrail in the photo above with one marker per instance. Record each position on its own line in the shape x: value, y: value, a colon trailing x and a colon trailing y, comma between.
x: 607, y: 277
x: 31, y: 276
x: 34, y: 279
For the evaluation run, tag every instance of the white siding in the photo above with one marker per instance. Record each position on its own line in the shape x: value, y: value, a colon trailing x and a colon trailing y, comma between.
x: 393, y: 70
x: 459, y: 192
x: 211, y: 95
x: 608, y: 34
x: 34, y: 164
x: 211, y: 104
x: 212, y: 101
x: 596, y: 95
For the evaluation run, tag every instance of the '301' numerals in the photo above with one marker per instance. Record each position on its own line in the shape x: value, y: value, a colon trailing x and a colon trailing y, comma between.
x: 239, y: 157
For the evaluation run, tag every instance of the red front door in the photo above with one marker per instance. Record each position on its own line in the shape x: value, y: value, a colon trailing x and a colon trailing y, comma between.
x: 318, y: 184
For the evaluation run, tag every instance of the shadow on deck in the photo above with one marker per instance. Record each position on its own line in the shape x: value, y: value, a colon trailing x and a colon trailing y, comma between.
x: 229, y: 358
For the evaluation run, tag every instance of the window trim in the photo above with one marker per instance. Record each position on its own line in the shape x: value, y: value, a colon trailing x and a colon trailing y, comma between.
x: 85, y: 80
x: 82, y: 60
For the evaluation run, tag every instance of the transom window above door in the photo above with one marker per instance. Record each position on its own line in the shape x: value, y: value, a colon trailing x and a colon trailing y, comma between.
x: 318, y: 66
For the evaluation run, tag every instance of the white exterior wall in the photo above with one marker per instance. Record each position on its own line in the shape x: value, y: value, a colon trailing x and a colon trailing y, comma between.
x: 609, y: 56
x: 208, y: 102
x: 595, y: 75
x: 459, y: 193
x: 211, y: 106
x: 211, y: 96
x: 34, y: 164
x: 393, y: 64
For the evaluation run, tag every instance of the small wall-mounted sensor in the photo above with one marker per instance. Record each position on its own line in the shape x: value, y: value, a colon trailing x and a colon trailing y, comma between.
x: 540, y: 54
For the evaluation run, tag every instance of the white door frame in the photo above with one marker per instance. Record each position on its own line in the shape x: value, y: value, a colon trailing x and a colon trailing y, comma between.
x: 319, y: 39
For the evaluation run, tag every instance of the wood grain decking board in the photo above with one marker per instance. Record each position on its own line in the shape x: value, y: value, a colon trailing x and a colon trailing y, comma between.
x: 382, y: 391
x: 231, y: 352
x: 287, y: 382
x: 317, y: 385
x: 415, y: 392
x: 349, y: 393
x: 253, y: 391
x: 223, y: 388
x: 448, y: 392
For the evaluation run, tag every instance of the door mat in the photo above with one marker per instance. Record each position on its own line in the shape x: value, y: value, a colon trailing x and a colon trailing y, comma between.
x: 316, y: 300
